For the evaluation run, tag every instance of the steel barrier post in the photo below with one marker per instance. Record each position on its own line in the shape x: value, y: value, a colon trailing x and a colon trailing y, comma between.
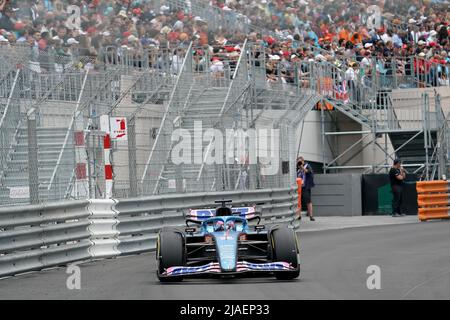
x: 132, y: 157
x: 33, y: 175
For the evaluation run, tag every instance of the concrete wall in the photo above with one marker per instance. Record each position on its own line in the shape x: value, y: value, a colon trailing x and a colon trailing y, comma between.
x: 362, y: 154
x: 148, y: 119
x: 308, y: 140
x: 353, y: 157
x: 337, y: 195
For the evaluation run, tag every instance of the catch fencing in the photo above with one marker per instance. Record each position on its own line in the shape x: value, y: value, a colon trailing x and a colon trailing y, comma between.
x: 36, y: 237
x: 159, y: 92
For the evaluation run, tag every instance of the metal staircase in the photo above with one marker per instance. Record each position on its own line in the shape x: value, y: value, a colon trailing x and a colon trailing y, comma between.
x: 49, y: 141
x: 201, y: 115
x: 180, y: 95
x: 410, y: 146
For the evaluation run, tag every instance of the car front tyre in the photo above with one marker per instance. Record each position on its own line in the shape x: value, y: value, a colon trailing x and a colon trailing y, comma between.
x: 284, y: 248
x: 169, y: 253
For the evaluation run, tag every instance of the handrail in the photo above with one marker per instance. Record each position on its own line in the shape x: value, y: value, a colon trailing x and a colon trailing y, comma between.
x: 9, y: 98
x: 172, y: 94
x: 236, y: 70
x: 2, y: 121
x: 238, y: 64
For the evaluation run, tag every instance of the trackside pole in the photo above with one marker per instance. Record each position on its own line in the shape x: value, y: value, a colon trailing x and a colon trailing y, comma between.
x: 81, y: 179
x: 105, y: 127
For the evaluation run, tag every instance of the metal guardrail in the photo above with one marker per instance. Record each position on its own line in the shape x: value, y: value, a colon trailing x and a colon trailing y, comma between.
x: 36, y: 237
x: 140, y: 219
x: 39, y: 236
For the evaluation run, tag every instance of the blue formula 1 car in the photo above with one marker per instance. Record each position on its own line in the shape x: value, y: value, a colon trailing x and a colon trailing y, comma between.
x: 226, y: 243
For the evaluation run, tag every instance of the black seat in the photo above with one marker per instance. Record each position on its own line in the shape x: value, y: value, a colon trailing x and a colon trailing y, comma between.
x: 223, y: 212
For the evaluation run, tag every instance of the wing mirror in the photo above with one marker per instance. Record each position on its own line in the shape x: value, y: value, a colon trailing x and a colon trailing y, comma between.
x: 255, y: 218
x: 193, y: 221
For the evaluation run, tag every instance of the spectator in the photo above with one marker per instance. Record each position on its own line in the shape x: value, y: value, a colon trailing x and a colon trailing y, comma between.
x: 177, y: 61
x: 397, y: 175
x: 293, y: 30
x: 7, y: 19
x: 217, y: 67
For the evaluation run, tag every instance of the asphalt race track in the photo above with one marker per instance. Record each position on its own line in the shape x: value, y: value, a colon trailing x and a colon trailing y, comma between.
x: 414, y: 261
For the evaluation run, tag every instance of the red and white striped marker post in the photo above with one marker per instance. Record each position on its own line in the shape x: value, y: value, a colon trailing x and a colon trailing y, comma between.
x: 105, y: 127
x: 81, y: 178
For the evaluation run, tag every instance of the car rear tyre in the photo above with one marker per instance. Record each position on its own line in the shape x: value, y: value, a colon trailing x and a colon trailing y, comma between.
x: 284, y: 248
x: 169, y: 253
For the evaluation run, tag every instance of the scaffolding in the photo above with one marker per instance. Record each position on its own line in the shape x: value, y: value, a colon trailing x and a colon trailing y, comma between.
x: 417, y: 132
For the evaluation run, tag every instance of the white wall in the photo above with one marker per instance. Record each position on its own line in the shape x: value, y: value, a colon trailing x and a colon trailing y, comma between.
x: 308, y: 140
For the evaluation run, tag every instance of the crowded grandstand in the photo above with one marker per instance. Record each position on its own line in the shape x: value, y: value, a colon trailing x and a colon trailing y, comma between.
x: 345, y: 33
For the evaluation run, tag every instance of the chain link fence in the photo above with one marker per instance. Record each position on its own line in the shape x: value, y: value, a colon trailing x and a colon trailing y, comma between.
x: 198, y: 120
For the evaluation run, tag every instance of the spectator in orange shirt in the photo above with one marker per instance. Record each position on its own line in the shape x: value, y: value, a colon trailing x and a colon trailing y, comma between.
x: 356, y: 38
x: 344, y: 34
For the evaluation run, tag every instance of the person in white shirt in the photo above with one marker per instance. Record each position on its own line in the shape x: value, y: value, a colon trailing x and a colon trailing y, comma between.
x: 351, y: 79
x: 216, y: 67
x: 350, y: 74
x: 366, y: 62
x: 177, y: 62
x: 387, y: 37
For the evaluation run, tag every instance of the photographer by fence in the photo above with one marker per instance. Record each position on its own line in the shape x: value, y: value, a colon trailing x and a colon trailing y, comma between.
x: 305, y: 172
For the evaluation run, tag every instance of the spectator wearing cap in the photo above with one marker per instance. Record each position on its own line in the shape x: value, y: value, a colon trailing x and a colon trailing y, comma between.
x: 72, y: 42
x: 366, y: 62
x: 422, y: 68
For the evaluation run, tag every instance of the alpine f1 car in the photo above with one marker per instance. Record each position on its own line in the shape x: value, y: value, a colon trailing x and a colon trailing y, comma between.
x: 226, y: 242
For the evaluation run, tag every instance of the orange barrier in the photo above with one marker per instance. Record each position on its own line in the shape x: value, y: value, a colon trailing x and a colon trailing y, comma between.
x: 432, y: 186
x: 438, y: 199
x: 433, y: 200
x: 299, y: 186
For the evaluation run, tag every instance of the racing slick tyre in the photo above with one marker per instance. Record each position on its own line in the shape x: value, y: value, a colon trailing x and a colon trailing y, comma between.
x: 169, y: 253
x: 284, y: 248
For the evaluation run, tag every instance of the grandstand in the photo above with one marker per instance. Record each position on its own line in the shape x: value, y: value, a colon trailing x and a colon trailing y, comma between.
x: 348, y: 97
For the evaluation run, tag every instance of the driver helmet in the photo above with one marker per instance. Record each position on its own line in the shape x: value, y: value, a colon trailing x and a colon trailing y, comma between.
x: 218, y: 226
x: 231, y: 225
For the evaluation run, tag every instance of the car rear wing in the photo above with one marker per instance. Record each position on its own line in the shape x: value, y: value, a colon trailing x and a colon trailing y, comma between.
x: 203, y: 214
